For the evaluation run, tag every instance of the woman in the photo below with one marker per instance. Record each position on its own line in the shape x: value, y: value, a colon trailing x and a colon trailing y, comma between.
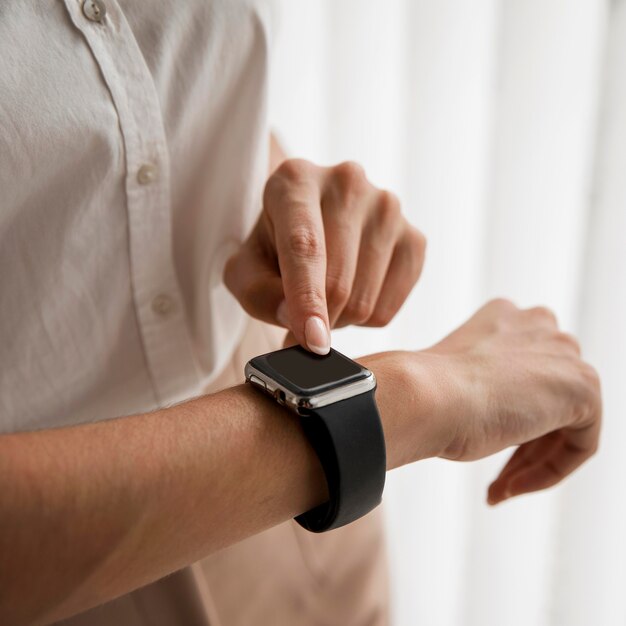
x: 133, y: 163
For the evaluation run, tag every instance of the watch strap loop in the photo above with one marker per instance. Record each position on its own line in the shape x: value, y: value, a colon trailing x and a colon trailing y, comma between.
x: 349, y: 440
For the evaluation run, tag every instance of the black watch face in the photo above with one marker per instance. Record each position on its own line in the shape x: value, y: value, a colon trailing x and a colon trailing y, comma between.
x: 305, y: 372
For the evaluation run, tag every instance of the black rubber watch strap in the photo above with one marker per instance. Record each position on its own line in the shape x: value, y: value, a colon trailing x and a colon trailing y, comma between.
x: 348, y: 438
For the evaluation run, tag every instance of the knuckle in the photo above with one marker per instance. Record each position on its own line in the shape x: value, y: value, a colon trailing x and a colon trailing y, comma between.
x: 591, y: 378
x: 501, y: 305
x: 588, y: 391
x: 568, y: 339
x: 303, y: 243
x: 337, y: 290
x: 542, y: 313
x: 415, y: 244
x: 381, y: 317
x: 310, y: 298
x: 500, y: 314
x: 349, y: 175
x: 387, y: 208
x: 293, y: 170
x: 287, y: 182
x: 417, y: 239
x: 359, y: 310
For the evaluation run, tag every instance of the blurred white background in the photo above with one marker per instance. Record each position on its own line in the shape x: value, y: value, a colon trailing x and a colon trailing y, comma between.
x: 502, y: 127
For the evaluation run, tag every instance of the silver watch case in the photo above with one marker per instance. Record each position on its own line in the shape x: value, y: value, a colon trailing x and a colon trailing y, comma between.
x: 297, y: 402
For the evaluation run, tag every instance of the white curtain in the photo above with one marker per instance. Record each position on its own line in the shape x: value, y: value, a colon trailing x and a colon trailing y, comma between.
x: 502, y: 127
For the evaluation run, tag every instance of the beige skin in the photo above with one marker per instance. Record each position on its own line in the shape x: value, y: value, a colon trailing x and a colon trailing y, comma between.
x: 91, y: 512
x: 329, y: 248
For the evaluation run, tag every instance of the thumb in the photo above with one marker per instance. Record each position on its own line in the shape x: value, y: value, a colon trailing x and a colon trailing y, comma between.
x: 256, y: 284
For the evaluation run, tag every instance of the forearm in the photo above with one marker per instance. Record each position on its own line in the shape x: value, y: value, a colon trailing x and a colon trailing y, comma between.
x: 91, y: 512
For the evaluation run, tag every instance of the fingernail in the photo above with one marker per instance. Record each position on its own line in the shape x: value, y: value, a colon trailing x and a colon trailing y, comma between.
x: 282, y: 316
x: 317, y: 335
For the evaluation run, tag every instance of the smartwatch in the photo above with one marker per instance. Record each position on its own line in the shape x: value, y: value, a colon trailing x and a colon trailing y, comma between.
x: 333, y: 397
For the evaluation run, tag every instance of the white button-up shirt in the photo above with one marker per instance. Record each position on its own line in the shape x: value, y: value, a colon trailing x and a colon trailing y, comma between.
x: 133, y: 150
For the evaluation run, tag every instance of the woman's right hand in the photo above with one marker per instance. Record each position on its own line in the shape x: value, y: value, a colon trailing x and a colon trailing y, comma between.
x: 506, y: 377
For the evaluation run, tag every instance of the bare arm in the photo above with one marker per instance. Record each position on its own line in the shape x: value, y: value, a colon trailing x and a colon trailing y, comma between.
x: 91, y: 512
x: 94, y: 511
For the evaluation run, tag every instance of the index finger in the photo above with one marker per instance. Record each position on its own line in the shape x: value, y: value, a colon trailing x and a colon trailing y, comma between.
x: 292, y: 201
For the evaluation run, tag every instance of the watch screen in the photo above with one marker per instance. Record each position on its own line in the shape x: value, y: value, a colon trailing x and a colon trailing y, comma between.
x: 307, y: 370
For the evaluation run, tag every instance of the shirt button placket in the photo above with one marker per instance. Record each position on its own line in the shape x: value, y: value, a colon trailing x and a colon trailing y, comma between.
x: 162, y: 305
x: 167, y: 343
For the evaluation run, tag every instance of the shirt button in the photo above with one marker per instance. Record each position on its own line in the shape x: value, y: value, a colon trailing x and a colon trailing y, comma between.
x: 94, y: 10
x: 163, y: 305
x: 146, y: 174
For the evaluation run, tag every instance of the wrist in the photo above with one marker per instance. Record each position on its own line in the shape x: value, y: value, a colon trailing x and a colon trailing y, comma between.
x: 417, y: 396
